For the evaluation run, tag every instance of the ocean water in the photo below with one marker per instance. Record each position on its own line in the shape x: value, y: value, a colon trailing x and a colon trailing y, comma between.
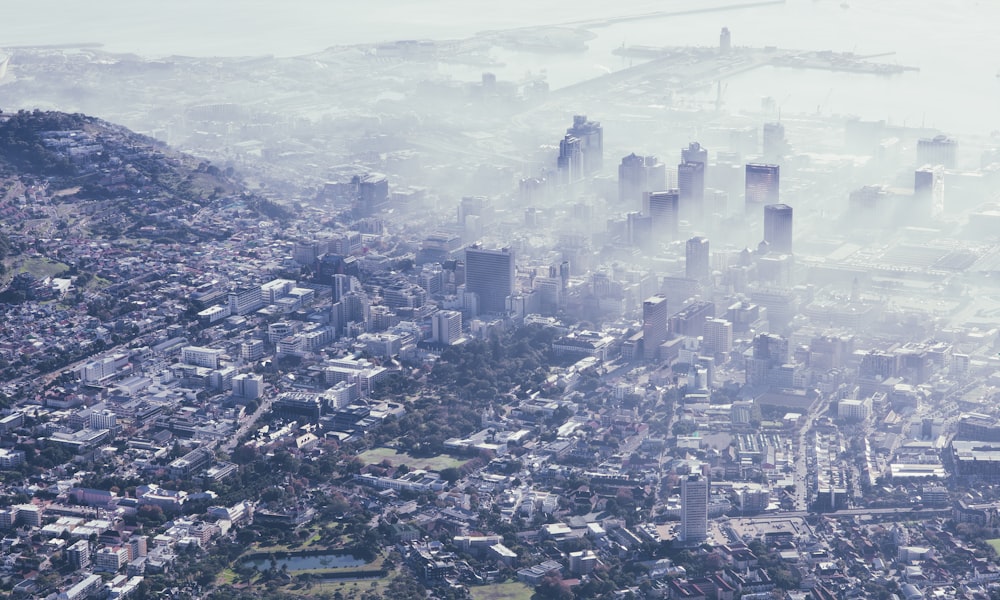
x: 953, y: 43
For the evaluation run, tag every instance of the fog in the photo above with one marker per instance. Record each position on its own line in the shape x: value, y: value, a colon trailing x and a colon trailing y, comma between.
x: 816, y: 176
x: 295, y: 89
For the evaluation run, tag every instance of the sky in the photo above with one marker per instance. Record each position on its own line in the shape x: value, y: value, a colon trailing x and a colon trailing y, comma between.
x: 952, y: 42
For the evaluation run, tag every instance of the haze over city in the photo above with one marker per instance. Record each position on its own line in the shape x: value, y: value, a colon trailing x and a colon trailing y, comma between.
x: 438, y: 300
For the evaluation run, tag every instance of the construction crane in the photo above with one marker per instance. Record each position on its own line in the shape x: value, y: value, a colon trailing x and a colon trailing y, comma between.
x: 720, y: 91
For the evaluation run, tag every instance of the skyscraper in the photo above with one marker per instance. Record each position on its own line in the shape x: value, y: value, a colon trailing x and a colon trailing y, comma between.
x: 490, y: 275
x: 928, y: 191
x: 570, y: 162
x: 940, y: 150
x: 717, y: 337
x: 663, y: 210
x: 694, y: 509
x: 761, y: 185
x: 654, y: 325
x: 691, y: 185
x: 775, y: 145
x: 638, y: 175
x: 639, y: 229
x: 696, y: 264
x: 778, y: 228
x: 694, y: 153
x: 591, y: 136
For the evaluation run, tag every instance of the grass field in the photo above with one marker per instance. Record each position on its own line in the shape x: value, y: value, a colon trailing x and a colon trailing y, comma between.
x: 995, y: 544
x: 502, y: 591
x: 435, y: 463
x: 42, y: 267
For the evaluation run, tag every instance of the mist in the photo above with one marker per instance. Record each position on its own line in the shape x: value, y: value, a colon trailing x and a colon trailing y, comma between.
x: 739, y: 207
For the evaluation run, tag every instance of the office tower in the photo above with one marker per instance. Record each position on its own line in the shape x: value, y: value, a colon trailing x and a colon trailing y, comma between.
x: 775, y: 145
x: 639, y: 229
x: 533, y: 190
x: 663, y: 211
x: 479, y: 206
x: 570, y: 162
x: 341, y: 285
x: 591, y: 137
x: 549, y: 291
x: 928, y: 191
x: 696, y: 265
x: 761, y: 185
x: 694, y: 509
x: 490, y: 275
x: 725, y: 40
x: 717, y: 337
x: 356, y: 307
x: 745, y: 140
x: 869, y: 204
x: 639, y: 175
x: 691, y: 185
x: 694, y: 153
x: 654, y: 324
x: 530, y: 218
x: 446, y: 326
x: 564, y: 273
x: 372, y: 193
x: 778, y: 228
x: 941, y: 150
x: 690, y: 320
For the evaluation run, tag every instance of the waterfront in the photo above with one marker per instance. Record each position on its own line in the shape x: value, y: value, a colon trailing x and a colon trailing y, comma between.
x: 940, y: 95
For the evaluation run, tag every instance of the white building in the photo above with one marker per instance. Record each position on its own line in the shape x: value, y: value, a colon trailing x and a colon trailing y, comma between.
x: 201, y: 357
x: 446, y: 326
x: 694, y: 508
x: 110, y: 559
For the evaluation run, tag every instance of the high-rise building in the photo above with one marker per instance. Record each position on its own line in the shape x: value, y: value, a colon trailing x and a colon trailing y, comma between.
x: 725, y: 40
x: 245, y: 300
x: 775, y: 145
x: 570, y: 162
x: 694, y: 509
x: 654, y: 324
x: 717, y: 337
x: 591, y: 136
x: 928, y: 191
x: 696, y: 263
x: 446, y: 326
x: 691, y: 185
x: 639, y: 229
x: 663, y: 210
x: 246, y: 385
x: 78, y: 554
x: 870, y: 203
x: 639, y: 175
x: 694, y: 153
x: 372, y: 193
x: 940, y: 150
x: 490, y: 275
x: 778, y: 228
x: 761, y: 185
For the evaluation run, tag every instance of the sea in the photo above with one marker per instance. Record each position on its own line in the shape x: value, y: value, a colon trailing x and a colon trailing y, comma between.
x: 954, y: 43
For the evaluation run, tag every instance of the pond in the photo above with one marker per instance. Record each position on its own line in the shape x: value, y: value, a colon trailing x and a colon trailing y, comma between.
x: 307, y: 562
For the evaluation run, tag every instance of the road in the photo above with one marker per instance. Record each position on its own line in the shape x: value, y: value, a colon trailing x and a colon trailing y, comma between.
x: 248, y: 422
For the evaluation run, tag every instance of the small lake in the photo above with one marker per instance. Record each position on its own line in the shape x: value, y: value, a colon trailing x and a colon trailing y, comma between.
x: 306, y: 562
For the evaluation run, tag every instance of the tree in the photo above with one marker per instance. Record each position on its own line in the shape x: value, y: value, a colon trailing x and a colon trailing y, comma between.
x: 450, y: 474
x: 552, y: 586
